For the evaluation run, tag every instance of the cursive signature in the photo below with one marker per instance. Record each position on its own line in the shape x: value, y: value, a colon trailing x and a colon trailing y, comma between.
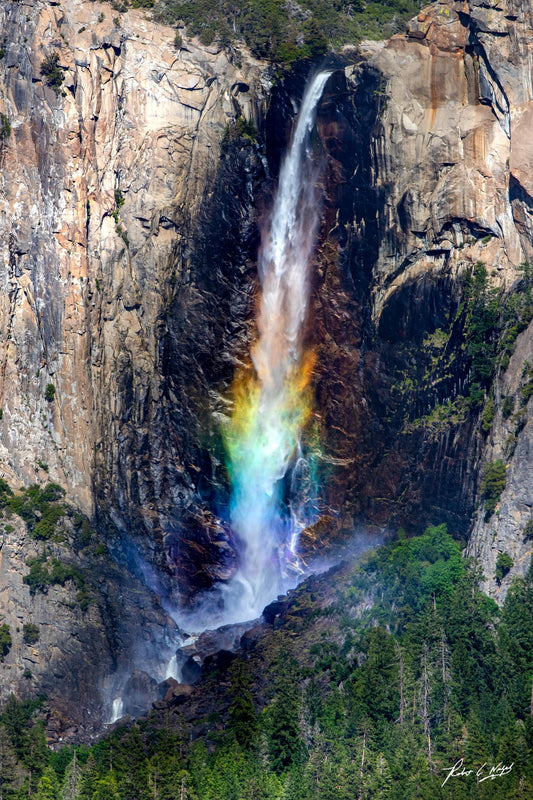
x: 460, y: 771
x: 494, y: 771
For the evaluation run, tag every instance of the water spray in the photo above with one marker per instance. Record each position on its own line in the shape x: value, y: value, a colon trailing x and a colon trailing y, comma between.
x: 272, y: 403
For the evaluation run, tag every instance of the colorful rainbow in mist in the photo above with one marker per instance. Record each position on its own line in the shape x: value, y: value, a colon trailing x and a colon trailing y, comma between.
x: 272, y: 401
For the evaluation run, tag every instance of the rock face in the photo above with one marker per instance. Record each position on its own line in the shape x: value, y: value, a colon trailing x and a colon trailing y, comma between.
x: 453, y: 164
x: 133, y: 179
x: 506, y: 532
x: 427, y: 163
x: 104, y: 179
x: 78, y: 640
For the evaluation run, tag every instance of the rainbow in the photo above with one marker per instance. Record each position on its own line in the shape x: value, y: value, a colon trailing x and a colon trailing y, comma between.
x: 272, y: 398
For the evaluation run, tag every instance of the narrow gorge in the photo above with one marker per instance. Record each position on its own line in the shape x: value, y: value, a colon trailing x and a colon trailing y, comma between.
x: 246, y: 327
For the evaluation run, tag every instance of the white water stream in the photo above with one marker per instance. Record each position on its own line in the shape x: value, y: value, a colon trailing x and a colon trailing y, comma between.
x: 116, y: 710
x: 277, y: 403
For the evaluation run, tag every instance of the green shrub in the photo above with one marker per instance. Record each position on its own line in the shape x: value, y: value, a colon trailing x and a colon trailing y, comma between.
x: 38, y: 577
x: 51, y: 493
x: 45, y: 528
x: 507, y: 406
x: 123, y: 235
x: 241, y: 132
x: 527, y: 389
x: 30, y: 633
x: 50, y: 392
x: 83, y: 599
x: 83, y: 530
x: 504, y: 562
x: 5, y: 641
x: 493, y: 485
x: 488, y: 416
x: 52, y: 72
x: 5, y: 127
x: 283, y: 32
x: 527, y: 533
x: 38, y: 508
x: 43, y: 574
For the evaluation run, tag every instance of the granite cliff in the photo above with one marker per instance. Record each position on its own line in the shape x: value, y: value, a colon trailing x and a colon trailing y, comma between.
x: 133, y: 180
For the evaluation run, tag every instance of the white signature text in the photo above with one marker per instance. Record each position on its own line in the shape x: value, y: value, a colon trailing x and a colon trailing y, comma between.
x: 484, y: 773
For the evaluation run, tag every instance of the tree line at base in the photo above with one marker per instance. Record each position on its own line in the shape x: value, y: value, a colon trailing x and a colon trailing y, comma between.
x: 406, y: 670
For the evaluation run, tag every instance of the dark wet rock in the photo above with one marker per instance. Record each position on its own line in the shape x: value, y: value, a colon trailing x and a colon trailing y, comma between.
x: 219, y: 661
x: 190, y: 668
x: 250, y: 638
x: 140, y: 691
x: 178, y: 694
x: 272, y: 611
x: 210, y: 651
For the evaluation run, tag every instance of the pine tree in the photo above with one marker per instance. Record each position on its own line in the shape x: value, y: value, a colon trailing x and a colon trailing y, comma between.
x: 313, y: 704
x: 362, y: 757
x: 8, y: 763
x: 285, y: 743
x: 36, y: 755
x: 199, y: 767
x: 243, y: 718
x: 378, y: 784
x: 72, y: 779
x: 162, y: 770
x: 106, y: 788
x: 132, y: 767
x: 295, y: 788
x: 477, y: 746
x: 47, y: 788
x: 88, y: 779
x: 475, y: 660
x: 516, y: 645
x: 377, y: 681
x: 16, y: 723
x: 513, y: 747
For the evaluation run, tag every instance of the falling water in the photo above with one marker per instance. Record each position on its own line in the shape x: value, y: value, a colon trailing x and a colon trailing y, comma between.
x: 117, y: 710
x: 172, y: 669
x: 272, y: 406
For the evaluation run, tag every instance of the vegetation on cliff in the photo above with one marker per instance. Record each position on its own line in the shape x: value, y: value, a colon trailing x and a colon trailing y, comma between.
x: 373, y: 682
x: 284, y: 32
x: 43, y: 512
x: 456, y: 365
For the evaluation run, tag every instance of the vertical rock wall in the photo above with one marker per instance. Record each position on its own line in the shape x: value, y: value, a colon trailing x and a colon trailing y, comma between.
x: 105, y: 178
x: 452, y: 160
x: 127, y: 274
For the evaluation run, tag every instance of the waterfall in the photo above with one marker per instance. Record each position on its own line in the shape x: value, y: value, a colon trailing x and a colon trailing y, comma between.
x: 117, y: 710
x: 272, y: 405
x: 172, y: 669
